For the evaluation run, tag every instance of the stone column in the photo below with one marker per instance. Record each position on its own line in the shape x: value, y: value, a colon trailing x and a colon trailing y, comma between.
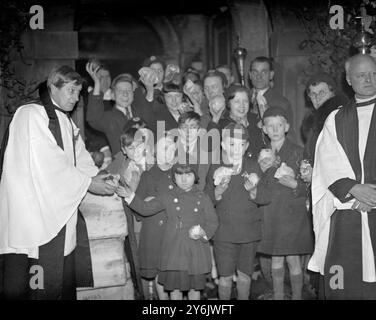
x: 55, y: 45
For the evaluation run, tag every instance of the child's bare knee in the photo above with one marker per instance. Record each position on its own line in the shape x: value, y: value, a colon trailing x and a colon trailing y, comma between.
x: 294, y: 264
x: 225, y: 281
x: 277, y: 262
x: 243, y: 277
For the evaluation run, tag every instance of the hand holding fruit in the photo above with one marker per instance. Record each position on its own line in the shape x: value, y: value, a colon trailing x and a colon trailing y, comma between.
x: 196, y: 232
x: 306, y: 171
x: 221, y: 188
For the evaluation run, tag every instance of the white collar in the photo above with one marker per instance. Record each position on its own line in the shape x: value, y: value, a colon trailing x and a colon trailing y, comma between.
x: 365, y: 99
x: 262, y: 91
x: 175, y: 115
x: 256, y: 92
x: 188, y: 146
x: 124, y: 110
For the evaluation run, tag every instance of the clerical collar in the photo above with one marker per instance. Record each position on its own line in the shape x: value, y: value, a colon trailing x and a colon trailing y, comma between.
x: 56, y: 107
x: 365, y: 102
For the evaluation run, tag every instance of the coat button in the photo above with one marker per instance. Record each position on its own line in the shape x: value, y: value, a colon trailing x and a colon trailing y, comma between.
x: 177, y: 208
x: 176, y: 200
x: 160, y: 222
x: 170, y: 187
x: 195, y: 209
x: 198, y: 202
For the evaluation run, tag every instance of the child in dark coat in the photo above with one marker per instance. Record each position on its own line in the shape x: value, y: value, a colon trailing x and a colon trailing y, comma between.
x: 191, y: 221
x: 158, y: 180
x: 239, y: 231
x: 190, y: 148
x: 287, y: 231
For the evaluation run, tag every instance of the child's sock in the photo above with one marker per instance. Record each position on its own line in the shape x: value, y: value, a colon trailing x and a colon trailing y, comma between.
x: 243, y: 286
x: 224, y: 288
x: 296, y: 285
x: 278, y: 276
x: 145, y: 288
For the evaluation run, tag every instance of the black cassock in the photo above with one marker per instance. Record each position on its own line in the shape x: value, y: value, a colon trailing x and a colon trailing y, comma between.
x: 345, y: 238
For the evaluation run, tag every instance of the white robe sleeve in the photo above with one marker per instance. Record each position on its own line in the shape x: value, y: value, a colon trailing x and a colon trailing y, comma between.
x: 40, y: 189
x: 326, y: 170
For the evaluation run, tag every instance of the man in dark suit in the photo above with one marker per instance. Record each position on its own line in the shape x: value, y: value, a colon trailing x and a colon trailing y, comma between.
x: 112, y: 122
x: 261, y: 74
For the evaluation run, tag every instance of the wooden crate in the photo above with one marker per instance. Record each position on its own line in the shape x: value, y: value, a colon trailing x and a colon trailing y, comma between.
x: 109, y: 262
x: 104, y: 216
x: 107, y: 228
x: 125, y: 292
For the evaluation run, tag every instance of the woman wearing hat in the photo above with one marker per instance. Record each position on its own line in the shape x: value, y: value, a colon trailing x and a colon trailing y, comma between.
x: 321, y: 90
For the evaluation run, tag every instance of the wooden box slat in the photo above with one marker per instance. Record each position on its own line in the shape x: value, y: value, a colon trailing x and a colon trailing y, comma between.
x: 125, y: 292
x: 109, y: 262
x: 104, y: 216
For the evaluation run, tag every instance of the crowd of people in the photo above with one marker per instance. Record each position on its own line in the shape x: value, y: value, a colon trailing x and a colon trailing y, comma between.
x: 213, y: 172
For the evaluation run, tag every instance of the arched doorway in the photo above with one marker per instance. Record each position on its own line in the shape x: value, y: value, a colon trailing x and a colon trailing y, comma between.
x: 122, y: 43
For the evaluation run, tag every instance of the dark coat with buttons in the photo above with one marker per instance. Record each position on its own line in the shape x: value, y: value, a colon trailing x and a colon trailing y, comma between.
x: 184, y: 210
x: 154, y: 182
x: 287, y: 226
x: 239, y: 216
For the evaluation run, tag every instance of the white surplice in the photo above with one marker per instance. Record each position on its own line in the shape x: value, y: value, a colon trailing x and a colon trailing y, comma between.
x: 40, y: 188
x: 332, y: 164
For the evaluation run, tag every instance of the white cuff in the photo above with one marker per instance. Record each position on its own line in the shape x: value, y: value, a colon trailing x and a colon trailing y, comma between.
x: 129, y: 199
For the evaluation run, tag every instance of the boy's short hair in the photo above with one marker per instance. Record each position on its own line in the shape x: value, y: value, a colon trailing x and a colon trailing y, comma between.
x: 189, y: 115
x: 235, y: 130
x: 223, y: 66
x: 61, y: 75
x: 218, y: 74
x: 134, y: 123
x: 275, y: 112
x: 187, y: 75
x: 104, y: 67
x: 179, y: 168
x: 123, y: 77
x: 154, y: 59
x: 127, y: 137
x: 262, y: 59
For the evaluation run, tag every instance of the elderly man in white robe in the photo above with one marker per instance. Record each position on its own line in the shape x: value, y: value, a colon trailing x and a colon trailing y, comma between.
x: 45, y: 172
x: 344, y: 191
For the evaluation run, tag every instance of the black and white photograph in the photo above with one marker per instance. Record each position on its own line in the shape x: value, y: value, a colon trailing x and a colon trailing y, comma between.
x: 213, y: 151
